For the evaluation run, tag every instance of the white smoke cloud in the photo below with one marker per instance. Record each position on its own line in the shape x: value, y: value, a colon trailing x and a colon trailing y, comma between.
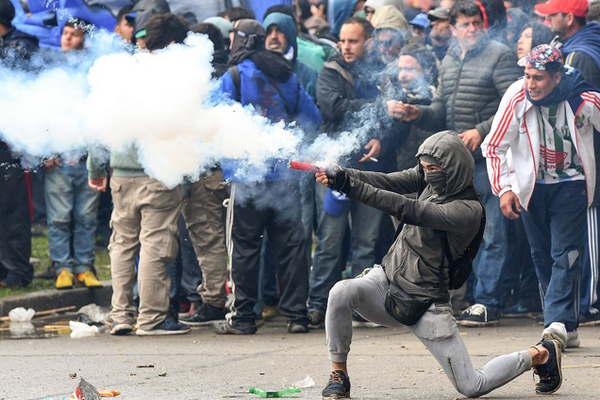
x: 163, y: 102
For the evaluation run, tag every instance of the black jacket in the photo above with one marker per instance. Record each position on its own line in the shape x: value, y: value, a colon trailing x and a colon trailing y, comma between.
x: 470, y: 89
x: 416, y: 261
x: 346, y: 96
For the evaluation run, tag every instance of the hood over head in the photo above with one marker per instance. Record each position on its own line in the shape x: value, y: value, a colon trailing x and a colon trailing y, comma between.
x: 375, y: 4
x: 285, y: 24
x: 456, y: 161
x: 389, y: 17
x: 224, y: 25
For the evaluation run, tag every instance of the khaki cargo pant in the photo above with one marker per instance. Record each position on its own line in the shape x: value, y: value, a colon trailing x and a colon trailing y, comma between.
x: 144, y: 222
x: 203, y: 213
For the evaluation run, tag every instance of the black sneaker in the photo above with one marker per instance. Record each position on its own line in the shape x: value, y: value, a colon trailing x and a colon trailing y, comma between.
x: 205, y: 315
x: 338, y: 386
x: 168, y: 327
x: 297, y: 327
x: 121, y: 329
x: 316, y: 317
x: 234, y: 328
x: 589, y: 319
x: 478, y: 315
x: 550, y: 373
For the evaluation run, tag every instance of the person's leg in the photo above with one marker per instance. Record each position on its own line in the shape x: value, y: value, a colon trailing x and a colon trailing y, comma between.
x: 328, y: 254
x: 59, y: 205
x: 268, y: 292
x: 589, y: 314
x: 438, y: 332
x: 15, y: 229
x: 536, y: 223
x: 203, y: 213
x: 287, y: 248
x: 85, y: 216
x: 159, y: 209
x: 567, y: 211
x: 124, y: 248
x: 247, y: 230
x: 365, y: 227
x: 493, y: 265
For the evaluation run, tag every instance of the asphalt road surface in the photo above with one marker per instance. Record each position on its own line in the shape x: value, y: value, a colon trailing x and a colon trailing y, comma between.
x: 384, y: 364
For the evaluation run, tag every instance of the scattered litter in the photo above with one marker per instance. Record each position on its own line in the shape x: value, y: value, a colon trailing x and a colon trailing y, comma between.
x: 92, y: 314
x: 287, y: 392
x: 20, y: 314
x: 146, y: 366
x: 21, y: 329
x: 86, y: 391
x: 307, y: 382
x: 59, y: 329
x: 73, y: 375
x: 162, y: 373
x: 81, y: 330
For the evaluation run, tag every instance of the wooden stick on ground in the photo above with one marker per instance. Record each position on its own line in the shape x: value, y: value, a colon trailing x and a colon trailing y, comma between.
x: 45, y: 312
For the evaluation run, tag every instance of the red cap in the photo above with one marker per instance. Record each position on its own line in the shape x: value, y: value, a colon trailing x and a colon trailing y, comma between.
x: 578, y: 8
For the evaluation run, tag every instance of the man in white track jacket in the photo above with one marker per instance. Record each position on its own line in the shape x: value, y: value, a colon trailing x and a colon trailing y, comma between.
x: 541, y: 163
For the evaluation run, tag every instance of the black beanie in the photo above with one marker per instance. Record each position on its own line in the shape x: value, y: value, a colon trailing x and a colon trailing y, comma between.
x: 7, y: 12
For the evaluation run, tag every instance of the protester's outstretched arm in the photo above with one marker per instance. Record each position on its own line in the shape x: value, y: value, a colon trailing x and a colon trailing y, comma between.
x: 402, y: 182
x: 451, y: 216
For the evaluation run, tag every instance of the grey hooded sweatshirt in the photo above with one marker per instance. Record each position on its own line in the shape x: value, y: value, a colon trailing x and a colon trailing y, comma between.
x: 416, y: 261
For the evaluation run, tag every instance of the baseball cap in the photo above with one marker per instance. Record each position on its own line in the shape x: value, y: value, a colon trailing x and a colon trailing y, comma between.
x: 578, y: 8
x: 439, y: 13
x: 420, y: 21
x: 542, y: 56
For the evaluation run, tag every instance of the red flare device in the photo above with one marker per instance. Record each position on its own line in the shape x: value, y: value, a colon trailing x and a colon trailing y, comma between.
x: 304, y: 166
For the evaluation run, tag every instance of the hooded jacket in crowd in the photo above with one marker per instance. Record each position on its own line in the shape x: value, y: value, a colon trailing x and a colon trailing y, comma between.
x: 416, y: 262
x: 306, y: 75
x: 471, y: 88
x: 267, y: 82
x: 582, y: 51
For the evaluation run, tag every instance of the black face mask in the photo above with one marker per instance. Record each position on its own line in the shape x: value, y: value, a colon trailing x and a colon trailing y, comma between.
x: 437, y: 181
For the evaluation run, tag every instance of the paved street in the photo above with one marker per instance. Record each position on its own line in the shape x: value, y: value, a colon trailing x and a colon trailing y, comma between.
x: 384, y: 364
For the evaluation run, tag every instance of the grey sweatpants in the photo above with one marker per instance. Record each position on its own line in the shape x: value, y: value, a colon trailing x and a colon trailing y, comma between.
x: 436, y: 329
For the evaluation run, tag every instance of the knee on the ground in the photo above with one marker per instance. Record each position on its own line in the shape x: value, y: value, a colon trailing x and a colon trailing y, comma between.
x: 469, y: 389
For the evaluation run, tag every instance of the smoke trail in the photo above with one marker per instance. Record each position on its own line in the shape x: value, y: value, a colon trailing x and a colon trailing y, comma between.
x: 164, y: 103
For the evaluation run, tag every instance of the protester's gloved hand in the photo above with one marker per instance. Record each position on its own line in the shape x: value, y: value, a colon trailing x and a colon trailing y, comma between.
x: 334, y: 177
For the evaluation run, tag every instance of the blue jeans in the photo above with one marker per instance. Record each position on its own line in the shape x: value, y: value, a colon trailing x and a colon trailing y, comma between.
x: 503, y: 252
x: 556, y: 226
x: 326, y: 270
x: 71, y: 208
x: 590, y: 271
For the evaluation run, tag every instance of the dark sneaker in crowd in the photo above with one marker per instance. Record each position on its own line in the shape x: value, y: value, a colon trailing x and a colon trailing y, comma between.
x: 338, y: 386
x: 549, y: 373
x: 478, y: 315
x: 234, y: 328
x: 316, y: 318
x: 49, y: 273
x: 270, y: 312
x: 205, y: 315
x: 168, y: 327
x: 589, y: 319
x: 297, y: 327
x: 121, y: 329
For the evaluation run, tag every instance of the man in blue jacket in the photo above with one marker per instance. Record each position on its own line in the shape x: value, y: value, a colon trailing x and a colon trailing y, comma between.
x: 264, y: 79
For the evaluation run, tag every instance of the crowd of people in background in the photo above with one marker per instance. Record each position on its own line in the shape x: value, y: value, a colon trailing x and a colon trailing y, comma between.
x: 398, y: 71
